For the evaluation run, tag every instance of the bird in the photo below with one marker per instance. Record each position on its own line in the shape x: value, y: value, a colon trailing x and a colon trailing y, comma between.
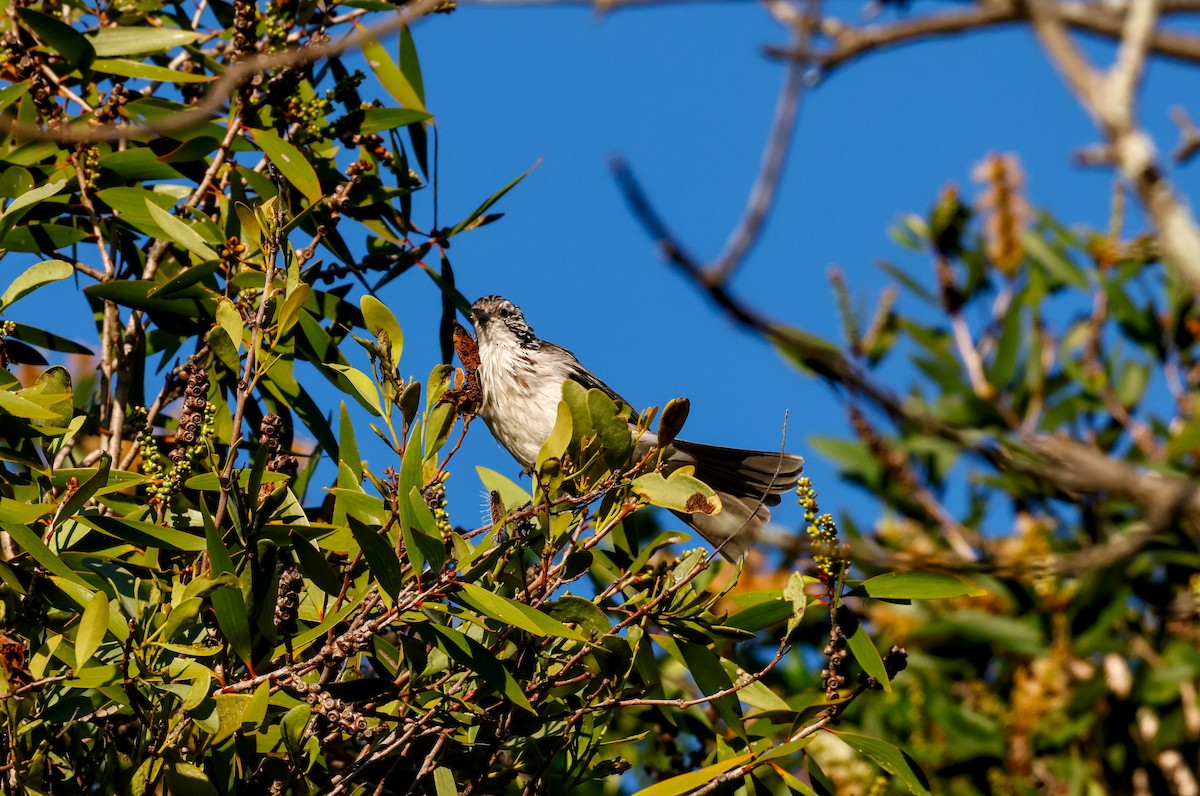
x: 521, y: 379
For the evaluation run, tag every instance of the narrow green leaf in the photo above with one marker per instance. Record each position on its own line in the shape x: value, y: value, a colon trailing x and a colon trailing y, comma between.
x: 108, y: 42
x: 378, y: 119
x: 293, y: 305
x: 314, y: 565
x: 144, y: 71
x: 916, y: 586
x: 364, y: 388
x: 179, y: 232
x: 291, y: 163
x: 424, y: 533
x: 711, y: 677
x: 35, y: 276
x: 85, y: 491
x: 686, y: 783
x: 93, y: 624
x: 380, y: 555
x: 390, y: 76
x: 795, y: 594
x: 234, y: 621
x: 892, y: 760
x: 471, y: 653
x: 410, y: 65
x: 862, y: 647
x: 491, y: 200
x: 144, y: 534
x: 15, y: 405
x: 516, y: 614
x: 31, y: 543
x: 65, y: 40
x: 443, y: 782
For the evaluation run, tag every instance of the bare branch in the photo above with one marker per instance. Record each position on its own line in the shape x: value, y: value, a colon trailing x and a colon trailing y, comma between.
x: 1109, y: 101
x: 1102, y: 19
x: 1189, y: 135
x: 762, y: 194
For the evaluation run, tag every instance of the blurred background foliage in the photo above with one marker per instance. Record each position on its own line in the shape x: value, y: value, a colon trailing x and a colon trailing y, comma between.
x: 205, y: 589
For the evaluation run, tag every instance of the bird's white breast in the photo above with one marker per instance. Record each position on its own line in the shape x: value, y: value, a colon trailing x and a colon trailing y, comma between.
x: 520, y: 396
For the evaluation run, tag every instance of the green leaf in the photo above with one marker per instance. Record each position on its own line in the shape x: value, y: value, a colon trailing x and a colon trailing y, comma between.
x: 293, y: 305
x: 916, y: 586
x: 144, y: 71
x: 410, y: 65
x: 108, y: 42
x: 130, y: 203
x: 187, y: 779
x: 443, y: 782
x: 291, y: 163
x: 35, y: 276
x: 314, y: 566
x: 234, y: 621
x: 680, y: 492
x: 383, y: 324
x: 584, y: 613
x: 17, y: 209
x: 85, y: 491
x: 711, y: 677
x: 230, y: 710
x: 292, y: 726
x: 795, y: 594
x: 516, y: 614
x: 144, y: 534
x: 140, y: 163
x: 378, y: 119
x: 10, y: 94
x: 17, y: 406
x: 364, y: 388
x: 471, y: 653
x: 93, y: 624
x: 612, y: 425
x: 65, y: 40
x: 1132, y: 383
x: 230, y: 319
x: 390, y: 76
x: 380, y: 555
x: 1056, y: 263
x: 892, y: 760
x: 179, y: 232
x: 424, y: 534
x: 862, y: 647
x: 512, y: 495
x: 692, y: 780
x: 31, y: 543
x: 467, y: 222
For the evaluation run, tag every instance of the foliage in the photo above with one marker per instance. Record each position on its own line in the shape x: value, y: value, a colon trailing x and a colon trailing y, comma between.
x: 178, y: 618
x: 1046, y: 442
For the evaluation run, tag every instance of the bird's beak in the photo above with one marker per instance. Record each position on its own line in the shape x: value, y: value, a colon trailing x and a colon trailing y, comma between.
x: 480, y: 316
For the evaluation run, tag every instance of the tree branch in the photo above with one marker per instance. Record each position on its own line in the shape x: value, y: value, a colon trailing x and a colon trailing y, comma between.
x: 1102, y: 19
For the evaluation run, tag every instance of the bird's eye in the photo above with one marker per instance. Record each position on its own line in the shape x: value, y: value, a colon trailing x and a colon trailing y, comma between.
x: 505, y: 312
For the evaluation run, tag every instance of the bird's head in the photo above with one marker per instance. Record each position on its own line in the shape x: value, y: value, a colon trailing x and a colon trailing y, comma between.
x: 498, y: 320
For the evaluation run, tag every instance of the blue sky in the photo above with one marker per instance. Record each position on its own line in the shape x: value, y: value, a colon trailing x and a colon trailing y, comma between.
x: 684, y: 93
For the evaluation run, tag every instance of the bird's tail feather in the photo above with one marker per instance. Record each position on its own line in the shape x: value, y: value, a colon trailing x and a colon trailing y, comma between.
x: 748, y: 483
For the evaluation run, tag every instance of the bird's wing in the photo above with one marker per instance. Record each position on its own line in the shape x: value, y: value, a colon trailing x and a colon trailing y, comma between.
x: 582, y: 375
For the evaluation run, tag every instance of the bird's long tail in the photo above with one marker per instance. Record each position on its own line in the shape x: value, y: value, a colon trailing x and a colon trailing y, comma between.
x: 748, y: 483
